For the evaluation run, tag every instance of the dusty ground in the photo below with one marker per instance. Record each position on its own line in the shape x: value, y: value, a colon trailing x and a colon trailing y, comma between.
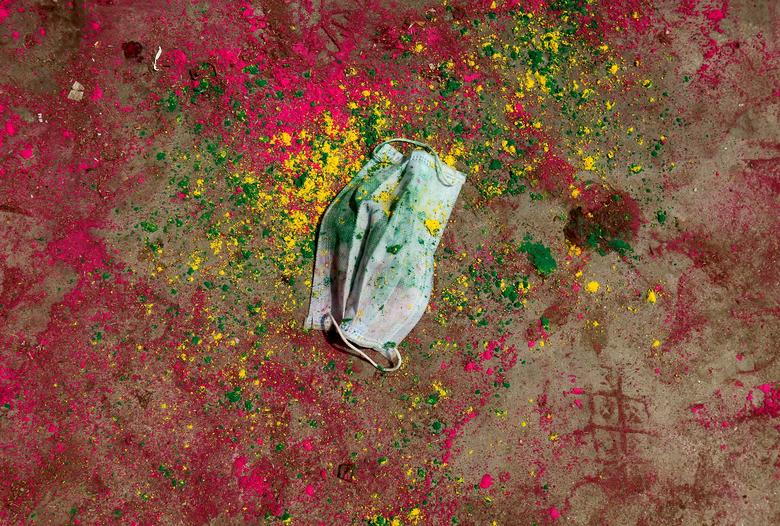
x: 601, y: 343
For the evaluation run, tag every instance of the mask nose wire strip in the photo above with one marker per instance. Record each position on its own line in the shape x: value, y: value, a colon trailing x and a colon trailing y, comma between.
x: 446, y: 181
x: 360, y: 351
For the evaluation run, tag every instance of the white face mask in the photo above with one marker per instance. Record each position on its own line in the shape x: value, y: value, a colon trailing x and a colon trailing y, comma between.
x: 373, y: 273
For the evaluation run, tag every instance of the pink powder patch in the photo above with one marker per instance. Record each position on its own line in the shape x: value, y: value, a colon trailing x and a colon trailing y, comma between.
x: 486, y: 481
x: 309, y: 490
x: 238, y: 466
x: 771, y: 404
x: 554, y: 513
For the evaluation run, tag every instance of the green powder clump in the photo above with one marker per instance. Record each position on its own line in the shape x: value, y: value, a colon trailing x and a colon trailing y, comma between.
x: 539, y: 256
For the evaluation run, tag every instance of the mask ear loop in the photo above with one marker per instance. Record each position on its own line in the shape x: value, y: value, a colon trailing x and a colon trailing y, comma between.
x: 446, y: 181
x: 360, y: 351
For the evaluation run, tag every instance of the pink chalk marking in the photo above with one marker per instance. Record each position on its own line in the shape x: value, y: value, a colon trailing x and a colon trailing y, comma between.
x: 577, y: 390
x: 10, y: 129
x: 740, y: 357
x: 26, y: 153
x: 578, y: 403
x: 307, y: 445
x: 309, y: 490
x: 554, y: 513
x: 486, y: 481
x: 470, y: 366
x: 97, y: 93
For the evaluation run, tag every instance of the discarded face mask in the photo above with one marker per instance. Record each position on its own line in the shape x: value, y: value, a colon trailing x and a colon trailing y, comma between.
x: 373, y: 273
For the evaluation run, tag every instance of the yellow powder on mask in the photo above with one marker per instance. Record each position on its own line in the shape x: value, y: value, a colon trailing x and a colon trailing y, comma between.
x: 433, y: 226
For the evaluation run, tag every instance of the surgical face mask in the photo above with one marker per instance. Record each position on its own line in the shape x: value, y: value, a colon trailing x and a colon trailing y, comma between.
x: 373, y: 273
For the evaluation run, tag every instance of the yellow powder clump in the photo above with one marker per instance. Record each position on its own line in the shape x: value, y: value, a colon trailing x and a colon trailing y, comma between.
x: 589, y: 163
x: 651, y: 296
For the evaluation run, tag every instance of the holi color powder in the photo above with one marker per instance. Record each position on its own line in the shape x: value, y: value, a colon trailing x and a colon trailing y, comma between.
x: 601, y: 343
